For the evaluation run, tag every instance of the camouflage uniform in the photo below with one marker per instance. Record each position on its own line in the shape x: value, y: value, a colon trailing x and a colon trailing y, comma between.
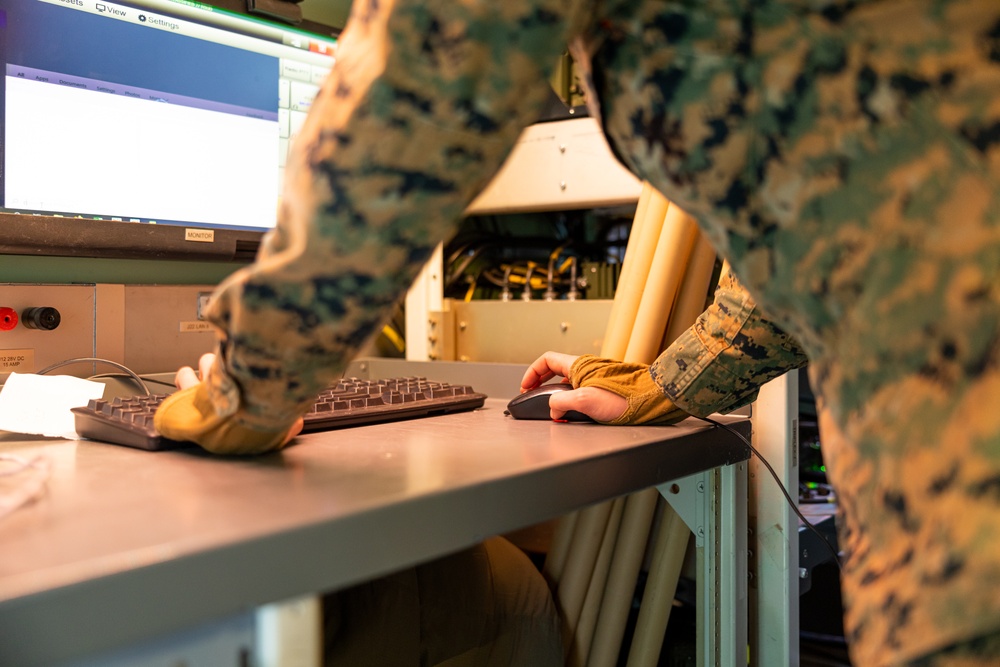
x: 843, y: 155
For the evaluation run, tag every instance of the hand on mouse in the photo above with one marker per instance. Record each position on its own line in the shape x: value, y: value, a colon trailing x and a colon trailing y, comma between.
x: 188, y: 415
x: 608, y: 391
x: 598, y: 404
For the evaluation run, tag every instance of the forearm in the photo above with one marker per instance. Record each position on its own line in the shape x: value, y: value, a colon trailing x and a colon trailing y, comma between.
x: 417, y: 115
x: 720, y: 363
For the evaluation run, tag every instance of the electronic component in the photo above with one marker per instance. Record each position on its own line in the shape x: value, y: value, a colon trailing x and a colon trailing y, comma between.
x: 45, y: 318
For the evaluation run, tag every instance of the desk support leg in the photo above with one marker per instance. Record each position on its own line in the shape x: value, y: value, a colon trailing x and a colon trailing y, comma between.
x: 714, y: 505
x: 774, y: 560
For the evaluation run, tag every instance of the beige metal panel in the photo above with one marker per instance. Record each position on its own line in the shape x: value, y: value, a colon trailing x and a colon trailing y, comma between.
x: 162, y: 329
x: 109, y: 322
x: 558, y: 165
x: 423, y: 298
x: 520, y: 331
x: 441, y: 335
x: 25, y: 350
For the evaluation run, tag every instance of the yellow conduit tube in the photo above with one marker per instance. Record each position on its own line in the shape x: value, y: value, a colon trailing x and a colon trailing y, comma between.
x: 580, y: 644
x: 624, y: 573
x: 673, y: 535
x: 572, y: 587
x: 695, y: 290
x: 643, y: 301
x: 646, y: 226
x: 667, y: 274
x: 635, y: 269
x: 639, y: 220
x: 555, y: 559
x: 661, y: 587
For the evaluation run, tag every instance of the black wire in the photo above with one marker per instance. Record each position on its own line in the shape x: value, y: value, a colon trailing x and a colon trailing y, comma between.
x: 165, y: 383
x: 784, y: 491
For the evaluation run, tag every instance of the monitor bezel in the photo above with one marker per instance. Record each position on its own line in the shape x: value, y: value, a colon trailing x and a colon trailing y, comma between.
x: 55, y: 236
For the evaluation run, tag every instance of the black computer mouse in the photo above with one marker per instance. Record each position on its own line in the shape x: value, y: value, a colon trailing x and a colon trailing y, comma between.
x: 534, y: 404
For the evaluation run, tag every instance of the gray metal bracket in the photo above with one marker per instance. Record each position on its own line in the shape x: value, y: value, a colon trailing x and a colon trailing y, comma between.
x: 713, y: 504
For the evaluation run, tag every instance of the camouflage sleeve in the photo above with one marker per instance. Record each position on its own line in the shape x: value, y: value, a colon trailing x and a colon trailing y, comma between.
x: 425, y: 100
x: 719, y: 363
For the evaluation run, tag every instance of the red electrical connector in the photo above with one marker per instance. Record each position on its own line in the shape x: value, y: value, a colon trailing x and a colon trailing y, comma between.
x: 8, y: 319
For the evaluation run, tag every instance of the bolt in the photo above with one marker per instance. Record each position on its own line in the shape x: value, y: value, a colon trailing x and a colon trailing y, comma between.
x: 564, y: 326
x: 701, y: 487
x: 562, y: 185
x: 462, y: 326
x: 803, y: 573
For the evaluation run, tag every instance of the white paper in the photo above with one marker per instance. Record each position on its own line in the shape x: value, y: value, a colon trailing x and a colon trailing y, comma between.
x: 40, y: 404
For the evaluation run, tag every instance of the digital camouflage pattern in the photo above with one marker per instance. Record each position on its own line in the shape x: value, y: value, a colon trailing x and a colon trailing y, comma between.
x: 843, y: 155
x: 720, y: 363
x: 846, y: 161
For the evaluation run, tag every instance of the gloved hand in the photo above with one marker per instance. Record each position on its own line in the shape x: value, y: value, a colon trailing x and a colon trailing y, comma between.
x: 608, y: 391
x: 189, y: 416
x: 647, y: 404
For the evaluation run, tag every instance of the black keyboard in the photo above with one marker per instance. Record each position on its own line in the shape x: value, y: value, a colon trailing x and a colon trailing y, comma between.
x: 351, y: 402
x: 354, y: 402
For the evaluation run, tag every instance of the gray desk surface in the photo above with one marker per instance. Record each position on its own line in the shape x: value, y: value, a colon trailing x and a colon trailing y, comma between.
x: 127, y: 544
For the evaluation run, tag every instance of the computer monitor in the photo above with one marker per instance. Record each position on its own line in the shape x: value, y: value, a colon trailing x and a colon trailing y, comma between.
x: 147, y: 128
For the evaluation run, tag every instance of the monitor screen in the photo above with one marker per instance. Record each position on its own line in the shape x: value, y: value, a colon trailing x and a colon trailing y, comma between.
x: 147, y: 127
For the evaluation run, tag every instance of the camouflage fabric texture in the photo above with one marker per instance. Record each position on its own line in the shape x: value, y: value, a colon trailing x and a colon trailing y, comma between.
x: 720, y: 363
x: 843, y: 155
x: 845, y: 159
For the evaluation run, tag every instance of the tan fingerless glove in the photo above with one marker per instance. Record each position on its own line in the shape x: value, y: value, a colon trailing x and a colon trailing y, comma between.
x: 647, y: 403
x: 189, y: 416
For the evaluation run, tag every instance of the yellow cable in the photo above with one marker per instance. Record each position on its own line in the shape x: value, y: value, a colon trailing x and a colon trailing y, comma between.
x: 394, y: 338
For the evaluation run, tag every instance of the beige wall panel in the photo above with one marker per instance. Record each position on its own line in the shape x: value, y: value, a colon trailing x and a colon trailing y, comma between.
x: 25, y: 350
x: 162, y: 329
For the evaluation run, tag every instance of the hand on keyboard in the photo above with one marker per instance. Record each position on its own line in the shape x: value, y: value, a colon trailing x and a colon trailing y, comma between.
x: 189, y: 415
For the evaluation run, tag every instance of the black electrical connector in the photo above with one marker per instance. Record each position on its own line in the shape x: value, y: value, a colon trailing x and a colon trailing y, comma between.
x: 45, y: 318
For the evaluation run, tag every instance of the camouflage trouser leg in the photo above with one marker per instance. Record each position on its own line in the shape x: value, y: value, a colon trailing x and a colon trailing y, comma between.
x: 979, y: 652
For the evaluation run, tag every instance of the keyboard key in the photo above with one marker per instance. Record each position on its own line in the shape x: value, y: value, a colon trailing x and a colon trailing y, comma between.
x: 351, y: 402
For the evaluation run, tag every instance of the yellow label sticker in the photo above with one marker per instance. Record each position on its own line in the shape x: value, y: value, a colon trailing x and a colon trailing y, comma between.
x: 17, y: 361
x: 199, y: 235
x: 195, y: 327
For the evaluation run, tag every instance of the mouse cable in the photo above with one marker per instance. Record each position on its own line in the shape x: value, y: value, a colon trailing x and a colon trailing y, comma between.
x: 124, y: 369
x: 784, y: 491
